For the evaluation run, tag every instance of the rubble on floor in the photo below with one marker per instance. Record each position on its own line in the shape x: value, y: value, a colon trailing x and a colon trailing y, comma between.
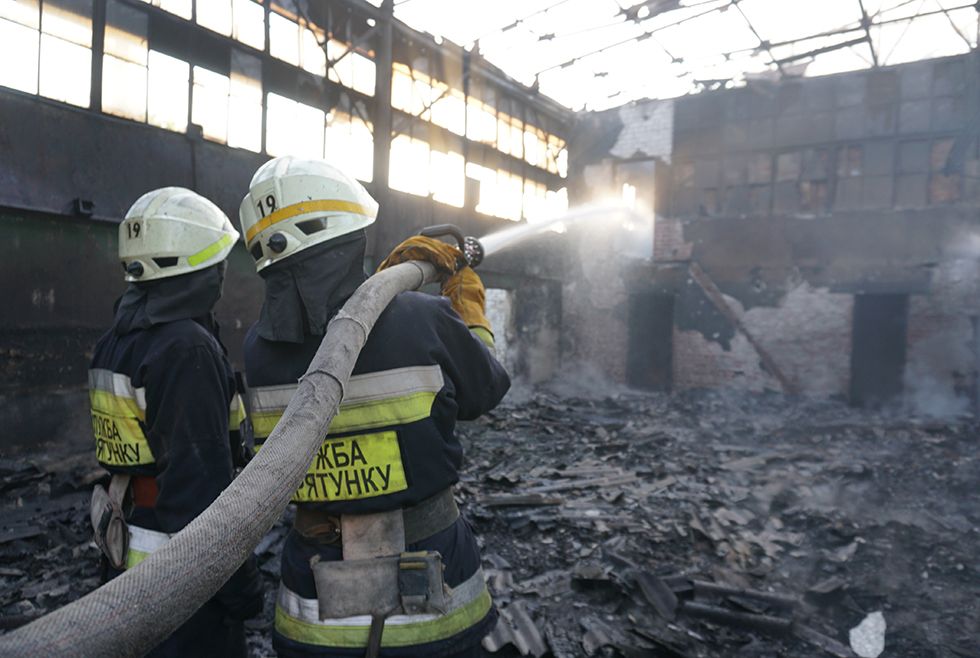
x: 694, y: 525
x: 707, y: 525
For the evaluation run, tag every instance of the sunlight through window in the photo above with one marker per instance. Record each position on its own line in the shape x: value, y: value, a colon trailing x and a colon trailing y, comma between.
x: 409, y: 165
x: 249, y: 23
x: 215, y: 15
x: 245, y: 102
x: 293, y: 128
x: 19, y: 22
x: 66, y: 55
x: 349, y: 145
x: 124, y: 62
x: 210, y: 103
x: 448, y: 178
x: 167, y: 93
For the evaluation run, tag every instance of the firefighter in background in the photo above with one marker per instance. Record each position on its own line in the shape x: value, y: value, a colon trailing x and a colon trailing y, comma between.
x: 163, y: 401
x: 379, y: 560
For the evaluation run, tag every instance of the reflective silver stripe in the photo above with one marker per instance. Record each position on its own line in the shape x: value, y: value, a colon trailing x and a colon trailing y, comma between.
x: 146, y: 541
x: 369, y: 387
x: 308, y: 610
x: 117, y: 384
x: 121, y: 386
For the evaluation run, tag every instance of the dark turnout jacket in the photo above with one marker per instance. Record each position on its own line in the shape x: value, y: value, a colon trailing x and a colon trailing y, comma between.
x: 161, y: 397
x: 391, y: 445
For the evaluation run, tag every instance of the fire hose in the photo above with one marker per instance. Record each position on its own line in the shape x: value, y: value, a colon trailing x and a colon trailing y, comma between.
x: 134, y: 612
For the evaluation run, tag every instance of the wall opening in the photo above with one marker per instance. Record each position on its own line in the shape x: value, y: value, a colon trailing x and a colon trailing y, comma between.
x: 651, y: 341
x: 878, y: 348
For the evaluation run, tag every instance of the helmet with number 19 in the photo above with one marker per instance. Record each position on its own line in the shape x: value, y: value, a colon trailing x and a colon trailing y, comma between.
x: 294, y: 203
x: 173, y: 231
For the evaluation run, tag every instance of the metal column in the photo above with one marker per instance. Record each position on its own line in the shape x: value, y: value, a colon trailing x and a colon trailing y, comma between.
x: 382, y: 97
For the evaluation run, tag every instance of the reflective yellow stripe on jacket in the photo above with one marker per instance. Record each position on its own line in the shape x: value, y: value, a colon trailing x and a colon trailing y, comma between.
x: 118, y: 408
x: 364, y: 465
x: 298, y: 619
x: 142, y: 542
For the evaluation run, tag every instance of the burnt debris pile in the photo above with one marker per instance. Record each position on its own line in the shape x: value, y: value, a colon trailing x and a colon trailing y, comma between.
x: 702, y: 525
x: 641, y: 525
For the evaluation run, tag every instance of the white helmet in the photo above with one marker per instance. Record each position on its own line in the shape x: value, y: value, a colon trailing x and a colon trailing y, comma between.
x: 294, y: 203
x: 172, y: 231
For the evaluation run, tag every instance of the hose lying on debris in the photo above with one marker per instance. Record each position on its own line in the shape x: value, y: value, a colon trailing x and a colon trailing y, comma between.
x: 134, y: 612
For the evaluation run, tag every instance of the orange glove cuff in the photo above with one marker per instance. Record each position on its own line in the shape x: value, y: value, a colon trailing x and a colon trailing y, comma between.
x: 468, y: 296
x: 418, y: 247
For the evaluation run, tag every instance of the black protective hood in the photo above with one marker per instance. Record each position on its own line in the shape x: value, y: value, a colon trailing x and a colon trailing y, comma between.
x: 189, y: 296
x: 304, y: 291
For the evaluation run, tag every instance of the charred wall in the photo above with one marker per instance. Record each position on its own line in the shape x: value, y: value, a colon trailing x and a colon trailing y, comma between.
x: 797, y: 197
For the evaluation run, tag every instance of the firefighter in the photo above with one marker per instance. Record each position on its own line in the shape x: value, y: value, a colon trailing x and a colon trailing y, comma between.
x: 164, y: 400
x: 378, y: 557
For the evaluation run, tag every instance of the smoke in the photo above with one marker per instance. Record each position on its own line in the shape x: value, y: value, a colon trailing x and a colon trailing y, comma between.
x: 934, y: 375
x: 941, y: 373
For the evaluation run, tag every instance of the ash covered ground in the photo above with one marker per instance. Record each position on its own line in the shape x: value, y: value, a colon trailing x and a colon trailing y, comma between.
x: 606, y: 520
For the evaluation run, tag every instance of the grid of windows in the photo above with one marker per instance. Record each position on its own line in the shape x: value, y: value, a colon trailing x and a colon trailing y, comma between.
x: 142, y: 80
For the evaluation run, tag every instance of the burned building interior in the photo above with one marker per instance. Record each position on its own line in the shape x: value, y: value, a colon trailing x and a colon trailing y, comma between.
x: 732, y: 268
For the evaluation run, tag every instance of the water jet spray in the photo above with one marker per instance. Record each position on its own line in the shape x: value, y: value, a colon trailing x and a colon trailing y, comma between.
x: 476, y: 249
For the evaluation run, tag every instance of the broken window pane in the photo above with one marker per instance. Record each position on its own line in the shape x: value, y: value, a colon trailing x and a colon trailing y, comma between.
x: 245, y: 102
x: 401, y: 88
x: 488, y: 184
x: 23, y: 12
x: 19, y: 43
x: 939, y: 153
x: 66, y: 71
x: 503, y: 133
x: 849, y: 161
x: 293, y: 128
x: 312, y: 56
x: 448, y: 180
x: 124, y: 62
x: 409, y: 167
x: 70, y: 20
x: 210, y: 103
x: 284, y: 39
x: 449, y: 111
x: 789, y: 166
x: 357, y: 72
x: 181, y: 8
x: 364, y: 72
x: 215, y: 15
x: 66, y: 56
x: 944, y: 189
x: 167, y: 94
x: 349, y: 145
x: 556, y: 202
x: 813, y: 196
x: 249, y: 23
x: 510, y: 194
x: 535, y: 201
x: 481, y: 122
x: 534, y: 148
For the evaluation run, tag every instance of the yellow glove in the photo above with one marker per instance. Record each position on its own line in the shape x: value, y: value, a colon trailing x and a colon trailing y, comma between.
x: 463, y: 288
x: 469, y: 299
x: 418, y: 247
